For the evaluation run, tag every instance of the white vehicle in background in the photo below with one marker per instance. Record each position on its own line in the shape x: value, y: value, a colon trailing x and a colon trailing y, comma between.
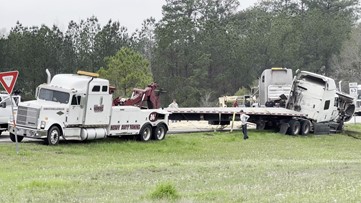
x: 5, y: 109
x: 79, y: 107
x: 227, y: 101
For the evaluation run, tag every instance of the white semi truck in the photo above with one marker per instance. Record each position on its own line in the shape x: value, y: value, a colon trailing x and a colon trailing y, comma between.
x: 314, y: 105
x: 274, y: 84
x: 79, y: 107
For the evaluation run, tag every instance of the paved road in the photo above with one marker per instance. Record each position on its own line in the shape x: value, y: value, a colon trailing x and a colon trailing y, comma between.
x: 355, y: 119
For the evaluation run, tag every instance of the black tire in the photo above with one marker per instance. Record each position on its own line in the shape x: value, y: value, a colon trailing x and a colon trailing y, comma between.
x: 53, y: 137
x: 12, y: 138
x: 159, y: 132
x: 145, y: 133
x: 1, y: 131
x: 294, y: 128
x: 305, y: 127
x: 260, y: 125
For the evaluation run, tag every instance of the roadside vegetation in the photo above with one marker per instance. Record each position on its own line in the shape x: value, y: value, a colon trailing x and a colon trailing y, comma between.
x: 199, y: 167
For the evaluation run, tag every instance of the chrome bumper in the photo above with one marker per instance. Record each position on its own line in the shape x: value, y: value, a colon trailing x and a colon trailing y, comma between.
x: 28, y: 132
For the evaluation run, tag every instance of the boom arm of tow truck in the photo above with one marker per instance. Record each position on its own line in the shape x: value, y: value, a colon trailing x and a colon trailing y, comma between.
x: 140, y: 96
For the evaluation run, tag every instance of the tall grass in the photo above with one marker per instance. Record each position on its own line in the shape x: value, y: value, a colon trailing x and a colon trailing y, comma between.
x: 199, y: 167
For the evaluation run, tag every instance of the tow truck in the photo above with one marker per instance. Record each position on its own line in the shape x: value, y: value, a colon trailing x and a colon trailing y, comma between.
x: 79, y: 107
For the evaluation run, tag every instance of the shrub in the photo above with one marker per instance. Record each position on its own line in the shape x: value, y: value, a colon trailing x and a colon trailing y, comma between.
x: 164, y: 191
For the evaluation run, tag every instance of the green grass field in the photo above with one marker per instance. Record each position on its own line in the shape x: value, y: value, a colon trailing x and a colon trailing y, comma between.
x: 199, y: 167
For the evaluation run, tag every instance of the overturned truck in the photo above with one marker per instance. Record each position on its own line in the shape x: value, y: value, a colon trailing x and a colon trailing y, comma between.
x: 314, y: 105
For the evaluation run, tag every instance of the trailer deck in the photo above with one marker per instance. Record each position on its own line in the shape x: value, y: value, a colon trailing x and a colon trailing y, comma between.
x: 224, y: 114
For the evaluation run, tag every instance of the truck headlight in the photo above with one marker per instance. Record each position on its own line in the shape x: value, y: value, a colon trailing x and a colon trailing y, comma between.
x: 42, y: 124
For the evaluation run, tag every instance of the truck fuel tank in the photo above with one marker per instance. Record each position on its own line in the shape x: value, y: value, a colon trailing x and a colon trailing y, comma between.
x: 93, y: 133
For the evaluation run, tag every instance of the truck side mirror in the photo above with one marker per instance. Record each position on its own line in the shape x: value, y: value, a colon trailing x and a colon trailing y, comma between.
x: 82, y: 101
x: 36, y: 92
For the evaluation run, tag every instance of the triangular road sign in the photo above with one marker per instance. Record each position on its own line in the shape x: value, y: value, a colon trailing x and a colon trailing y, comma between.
x: 8, y: 80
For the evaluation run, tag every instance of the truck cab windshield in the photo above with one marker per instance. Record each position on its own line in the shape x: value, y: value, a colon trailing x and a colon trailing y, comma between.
x: 53, y: 95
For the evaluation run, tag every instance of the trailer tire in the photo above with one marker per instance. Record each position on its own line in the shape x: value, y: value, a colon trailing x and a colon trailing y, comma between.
x: 12, y: 138
x: 159, y: 132
x: 53, y: 137
x: 260, y: 125
x: 294, y: 128
x: 145, y: 133
x: 305, y: 127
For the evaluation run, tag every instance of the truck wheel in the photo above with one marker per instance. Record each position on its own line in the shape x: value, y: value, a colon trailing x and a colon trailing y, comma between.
x: 159, y: 132
x: 294, y: 128
x: 305, y: 127
x: 260, y: 125
x: 12, y: 138
x: 53, y: 136
x: 145, y: 133
x: 1, y: 132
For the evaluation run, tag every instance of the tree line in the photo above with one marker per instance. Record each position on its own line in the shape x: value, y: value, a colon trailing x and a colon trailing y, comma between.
x: 199, y: 50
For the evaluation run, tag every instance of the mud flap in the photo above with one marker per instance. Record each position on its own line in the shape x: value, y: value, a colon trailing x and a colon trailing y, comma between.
x: 283, y: 128
x: 321, y: 128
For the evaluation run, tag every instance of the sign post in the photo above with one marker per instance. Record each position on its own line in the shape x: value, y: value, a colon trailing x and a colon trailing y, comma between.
x: 8, y: 80
x: 353, y: 88
x: 353, y: 92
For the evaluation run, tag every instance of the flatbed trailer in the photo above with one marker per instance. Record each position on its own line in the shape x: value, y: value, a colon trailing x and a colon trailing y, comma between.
x: 280, y: 119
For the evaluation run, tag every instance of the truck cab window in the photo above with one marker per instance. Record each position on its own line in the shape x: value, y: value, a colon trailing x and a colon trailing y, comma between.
x: 53, y: 95
x: 104, y: 88
x: 336, y: 102
x: 75, y: 100
x: 327, y: 105
x: 96, y: 88
x: 16, y: 99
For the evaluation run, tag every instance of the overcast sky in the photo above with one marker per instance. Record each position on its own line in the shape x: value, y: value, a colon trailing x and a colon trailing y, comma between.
x: 130, y: 13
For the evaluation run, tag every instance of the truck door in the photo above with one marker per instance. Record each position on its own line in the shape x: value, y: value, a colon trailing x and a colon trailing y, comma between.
x: 5, y: 109
x: 98, y: 106
x: 75, y: 113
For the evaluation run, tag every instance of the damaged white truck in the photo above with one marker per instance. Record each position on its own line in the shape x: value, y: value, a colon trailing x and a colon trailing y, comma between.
x: 313, y: 105
x: 79, y: 107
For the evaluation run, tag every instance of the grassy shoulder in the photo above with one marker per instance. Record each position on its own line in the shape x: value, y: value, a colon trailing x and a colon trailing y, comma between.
x: 200, y: 167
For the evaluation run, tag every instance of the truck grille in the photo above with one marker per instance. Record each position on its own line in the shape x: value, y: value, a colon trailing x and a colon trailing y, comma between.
x: 27, y: 117
x: 275, y: 91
